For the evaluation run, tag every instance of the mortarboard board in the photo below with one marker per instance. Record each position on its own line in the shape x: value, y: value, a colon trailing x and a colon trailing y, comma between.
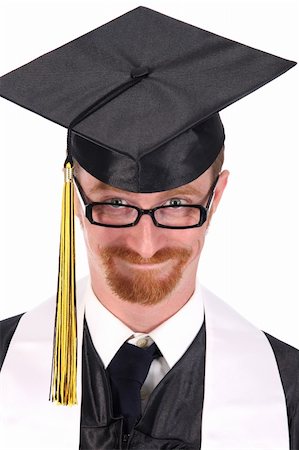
x: 140, y: 97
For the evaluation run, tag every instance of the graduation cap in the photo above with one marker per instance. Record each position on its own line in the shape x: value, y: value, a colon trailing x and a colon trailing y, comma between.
x: 140, y: 97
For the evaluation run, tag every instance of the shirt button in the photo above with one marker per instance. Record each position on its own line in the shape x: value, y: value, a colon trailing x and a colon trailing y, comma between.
x: 143, y: 394
x: 142, y: 342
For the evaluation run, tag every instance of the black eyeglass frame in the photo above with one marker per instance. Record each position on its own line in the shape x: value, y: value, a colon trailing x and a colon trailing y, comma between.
x: 151, y: 212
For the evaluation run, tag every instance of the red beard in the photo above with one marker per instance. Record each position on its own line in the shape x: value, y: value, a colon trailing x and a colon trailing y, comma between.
x: 144, y: 287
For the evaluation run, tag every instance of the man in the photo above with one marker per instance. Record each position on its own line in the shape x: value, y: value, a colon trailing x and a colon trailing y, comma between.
x: 162, y: 363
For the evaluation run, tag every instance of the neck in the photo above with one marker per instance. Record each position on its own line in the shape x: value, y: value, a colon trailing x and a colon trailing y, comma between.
x: 144, y: 318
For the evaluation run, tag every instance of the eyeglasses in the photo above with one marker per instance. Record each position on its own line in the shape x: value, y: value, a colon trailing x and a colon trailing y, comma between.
x: 114, y: 214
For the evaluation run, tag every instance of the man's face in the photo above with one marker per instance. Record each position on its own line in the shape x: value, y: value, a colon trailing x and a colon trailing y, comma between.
x: 145, y: 264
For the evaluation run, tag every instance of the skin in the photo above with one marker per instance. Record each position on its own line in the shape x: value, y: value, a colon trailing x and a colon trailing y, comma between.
x: 145, y: 239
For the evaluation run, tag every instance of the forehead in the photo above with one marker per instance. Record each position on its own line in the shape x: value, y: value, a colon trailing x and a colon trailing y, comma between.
x: 92, y: 185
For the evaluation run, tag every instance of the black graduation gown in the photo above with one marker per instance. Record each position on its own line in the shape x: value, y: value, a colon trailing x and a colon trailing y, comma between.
x: 172, y: 418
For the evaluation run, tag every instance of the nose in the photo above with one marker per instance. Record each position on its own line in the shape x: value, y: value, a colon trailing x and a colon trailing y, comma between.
x: 145, y: 238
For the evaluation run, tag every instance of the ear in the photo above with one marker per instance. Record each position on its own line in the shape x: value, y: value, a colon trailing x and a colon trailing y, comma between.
x: 220, y: 187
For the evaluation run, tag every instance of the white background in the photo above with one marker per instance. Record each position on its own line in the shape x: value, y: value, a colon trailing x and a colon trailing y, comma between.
x: 251, y: 257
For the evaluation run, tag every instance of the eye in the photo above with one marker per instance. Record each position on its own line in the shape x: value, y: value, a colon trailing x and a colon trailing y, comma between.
x: 175, y: 202
x: 116, y: 202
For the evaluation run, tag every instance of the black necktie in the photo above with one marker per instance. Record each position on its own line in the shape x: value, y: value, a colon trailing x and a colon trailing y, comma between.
x: 127, y: 371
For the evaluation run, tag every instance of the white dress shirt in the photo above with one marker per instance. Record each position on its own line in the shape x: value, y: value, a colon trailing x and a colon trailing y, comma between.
x: 173, y: 337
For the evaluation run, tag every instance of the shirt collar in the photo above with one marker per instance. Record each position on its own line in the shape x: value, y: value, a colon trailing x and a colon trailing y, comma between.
x: 108, y: 333
x: 173, y: 337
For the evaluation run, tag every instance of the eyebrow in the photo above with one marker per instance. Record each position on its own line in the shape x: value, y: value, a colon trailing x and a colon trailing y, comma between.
x: 186, y: 190
x: 104, y: 187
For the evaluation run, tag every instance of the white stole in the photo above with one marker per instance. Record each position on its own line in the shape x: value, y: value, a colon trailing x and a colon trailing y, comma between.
x: 244, y: 403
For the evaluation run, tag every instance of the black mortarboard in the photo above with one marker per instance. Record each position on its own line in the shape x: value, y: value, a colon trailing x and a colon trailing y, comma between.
x: 140, y: 96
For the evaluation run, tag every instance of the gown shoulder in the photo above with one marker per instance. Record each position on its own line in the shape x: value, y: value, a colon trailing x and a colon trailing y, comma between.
x: 287, y: 358
x: 7, y: 329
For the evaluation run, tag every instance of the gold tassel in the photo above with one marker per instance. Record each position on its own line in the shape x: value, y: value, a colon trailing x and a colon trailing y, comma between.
x: 64, y: 365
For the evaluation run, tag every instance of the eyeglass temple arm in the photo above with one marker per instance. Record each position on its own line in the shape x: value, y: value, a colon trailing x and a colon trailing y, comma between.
x: 80, y: 190
x: 211, y: 197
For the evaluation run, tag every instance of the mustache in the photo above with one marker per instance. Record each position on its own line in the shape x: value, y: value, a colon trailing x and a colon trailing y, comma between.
x: 133, y: 257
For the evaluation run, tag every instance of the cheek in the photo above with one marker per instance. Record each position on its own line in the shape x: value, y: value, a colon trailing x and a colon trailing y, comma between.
x: 192, y: 238
x: 96, y: 237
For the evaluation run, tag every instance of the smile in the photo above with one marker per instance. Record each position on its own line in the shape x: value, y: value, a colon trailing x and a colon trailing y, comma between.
x: 144, y: 266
